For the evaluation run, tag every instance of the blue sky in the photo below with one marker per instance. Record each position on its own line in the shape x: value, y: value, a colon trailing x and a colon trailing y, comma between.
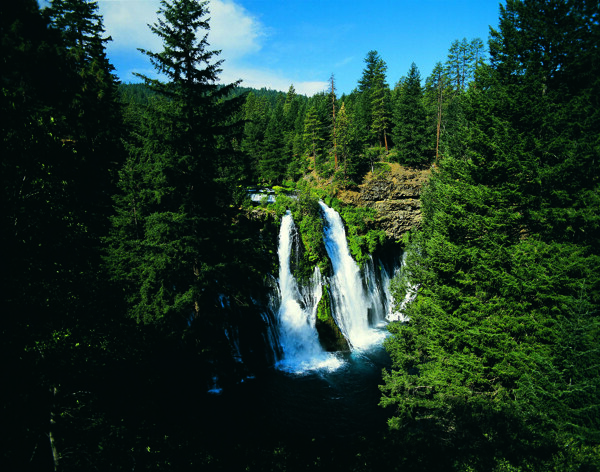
x: 276, y: 43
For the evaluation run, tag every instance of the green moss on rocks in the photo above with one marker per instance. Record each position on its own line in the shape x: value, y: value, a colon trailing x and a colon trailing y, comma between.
x: 330, y: 336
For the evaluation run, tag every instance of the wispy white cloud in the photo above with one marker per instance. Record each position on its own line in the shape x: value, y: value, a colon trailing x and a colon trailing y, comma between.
x: 310, y: 88
x: 129, y: 75
x: 345, y: 61
x: 235, y: 31
x: 126, y: 21
x: 275, y: 80
x: 232, y: 28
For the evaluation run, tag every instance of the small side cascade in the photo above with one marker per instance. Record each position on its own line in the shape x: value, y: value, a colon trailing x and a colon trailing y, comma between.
x: 269, y: 317
x: 411, y: 294
x: 296, y: 315
x: 381, y: 302
x: 349, y: 300
x: 386, y: 278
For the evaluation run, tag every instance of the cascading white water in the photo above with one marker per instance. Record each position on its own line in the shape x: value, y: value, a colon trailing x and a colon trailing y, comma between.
x: 411, y: 294
x: 350, y: 305
x: 386, y: 278
x: 380, y: 299
x: 298, y: 337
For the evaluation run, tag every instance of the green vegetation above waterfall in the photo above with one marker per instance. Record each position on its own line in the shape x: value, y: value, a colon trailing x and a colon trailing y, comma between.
x: 302, y: 200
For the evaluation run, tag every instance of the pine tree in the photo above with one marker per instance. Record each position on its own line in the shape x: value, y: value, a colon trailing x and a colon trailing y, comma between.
x: 290, y: 108
x: 292, y: 114
x: 436, y: 103
x: 343, y: 138
x: 333, y: 97
x: 298, y: 164
x: 458, y: 64
x: 372, y: 107
x: 312, y: 137
x: 94, y: 114
x: 274, y: 162
x: 550, y: 61
x: 410, y: 123
x: 464, y: 57
x: 380, y: 105
x: 52, y: 216
x: 506, y: 277
x: 168, y: 208
x: 256, y: 113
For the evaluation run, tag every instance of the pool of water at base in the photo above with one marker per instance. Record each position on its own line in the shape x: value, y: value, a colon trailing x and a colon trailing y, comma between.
x: 319, y: 404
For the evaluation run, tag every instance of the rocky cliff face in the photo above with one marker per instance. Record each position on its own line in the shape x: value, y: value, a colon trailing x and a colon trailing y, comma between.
x: 395, y: 196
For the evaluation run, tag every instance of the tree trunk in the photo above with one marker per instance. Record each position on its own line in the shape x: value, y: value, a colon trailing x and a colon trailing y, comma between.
x: 385, y: 140
x: 439, y: 122
x: 333, y: 124
x: 55, y: 456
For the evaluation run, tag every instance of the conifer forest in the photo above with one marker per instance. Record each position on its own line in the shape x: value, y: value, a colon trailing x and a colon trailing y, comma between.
x: 161, y: 239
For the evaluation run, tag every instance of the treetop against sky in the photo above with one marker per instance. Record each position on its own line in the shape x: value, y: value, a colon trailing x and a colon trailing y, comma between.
x: 274, y: 44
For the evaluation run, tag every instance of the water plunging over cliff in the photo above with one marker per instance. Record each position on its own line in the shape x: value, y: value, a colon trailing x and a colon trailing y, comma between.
x: 349, y: 299
x: 296, y: 315
x: 360, y: 300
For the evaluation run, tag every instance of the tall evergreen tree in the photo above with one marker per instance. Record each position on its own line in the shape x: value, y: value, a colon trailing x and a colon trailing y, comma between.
x: 95, y: 123
x: 464, y: 57
x: 256, y: 117
x: 333, y: 98
x: 166, y: 244
x: 435, y: 97
x: 372, y: 107
x: 290, y: 107
x: 313, y: 138
x: 412, y: 143
x: 506, y: 277
x: 380, y: 105
x: 274, y: 160
x: 547, y: 52
x: 54, y: 176
x: 343, y: 138
x: 298, y: 163
x: 458, y: 64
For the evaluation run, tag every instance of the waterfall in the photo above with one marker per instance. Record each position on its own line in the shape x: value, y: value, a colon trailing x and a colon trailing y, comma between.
x: 349, y: 301
x: 411, y: 294
x: 380, y: 299
x: 296, y: 315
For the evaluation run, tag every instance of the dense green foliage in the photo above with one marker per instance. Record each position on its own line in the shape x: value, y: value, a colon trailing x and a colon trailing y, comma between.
x: 413, y: 144
x: 164, y: 240
x: 340, y: 139
x: 363, y: 237
x: 130, y: 259
x: 500, y: 356
x: 75, y: 363
x: 58, y: 165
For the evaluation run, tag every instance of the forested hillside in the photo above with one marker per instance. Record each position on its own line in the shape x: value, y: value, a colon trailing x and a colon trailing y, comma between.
x: 501, y: 352
x: 130, y: 247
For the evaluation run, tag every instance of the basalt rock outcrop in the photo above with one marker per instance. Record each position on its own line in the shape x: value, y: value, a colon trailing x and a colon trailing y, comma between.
x: 395, y: 195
